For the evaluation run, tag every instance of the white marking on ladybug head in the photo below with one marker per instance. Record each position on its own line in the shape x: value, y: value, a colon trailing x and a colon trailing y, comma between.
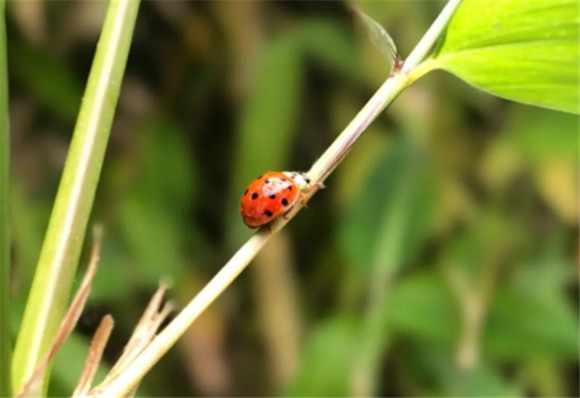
x: 299, y: 178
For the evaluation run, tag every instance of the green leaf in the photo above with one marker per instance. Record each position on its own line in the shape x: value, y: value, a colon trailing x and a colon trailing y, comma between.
x: 434, y: 372
x: 157, y: 250
x: 379, y: 36
x: 544, y: 135
x: 527, y: 326
x: 325, y: 367
x: 163, y: 191
x: 548, y: 274
x: 330, y: 45
x: 384, y: 231
x: 522, y: 50
x: 48, y: 78
x: 484, y: 380
x: 388, y: 222
x: 422, y: 306
x: 30, y: 217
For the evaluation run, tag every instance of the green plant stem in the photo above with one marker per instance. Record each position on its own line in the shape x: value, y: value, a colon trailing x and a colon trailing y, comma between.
x: 5, y: 328
x: 58, y: 260
x: 423, y: 48
x: 392, y: 87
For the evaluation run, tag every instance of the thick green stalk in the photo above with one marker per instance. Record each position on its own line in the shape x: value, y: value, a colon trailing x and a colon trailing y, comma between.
x: 5, y: 329
x: 57, y: 265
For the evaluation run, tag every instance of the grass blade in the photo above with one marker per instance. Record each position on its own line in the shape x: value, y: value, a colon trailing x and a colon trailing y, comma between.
x: 56, y: 268
x: 5, y: 337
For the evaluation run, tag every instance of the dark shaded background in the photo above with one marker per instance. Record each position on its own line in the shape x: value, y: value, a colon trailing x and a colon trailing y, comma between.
x: 441, y: 259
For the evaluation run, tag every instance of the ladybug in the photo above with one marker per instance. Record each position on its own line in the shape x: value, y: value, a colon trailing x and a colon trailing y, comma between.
x: 271, y: 195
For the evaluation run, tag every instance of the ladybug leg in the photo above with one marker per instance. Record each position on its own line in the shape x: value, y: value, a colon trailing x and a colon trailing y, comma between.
x: 320, y: 185
x: 303, y: 200
x: 314, y: 186
x: 267, y: 228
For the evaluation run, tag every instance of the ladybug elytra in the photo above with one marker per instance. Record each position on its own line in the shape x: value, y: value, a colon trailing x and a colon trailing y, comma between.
x: 271, y: 195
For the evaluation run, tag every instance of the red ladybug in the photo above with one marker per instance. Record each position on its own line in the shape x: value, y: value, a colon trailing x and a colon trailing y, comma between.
x: 271, y: 195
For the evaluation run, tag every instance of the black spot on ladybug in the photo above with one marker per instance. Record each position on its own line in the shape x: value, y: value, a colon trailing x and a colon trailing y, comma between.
x: 268, y: 213
x: 284, y: 202
x: 245, y: 192
x: 255, y: 196
x: 267, y: 181
x: 273, y: 196
x: 289, y: 187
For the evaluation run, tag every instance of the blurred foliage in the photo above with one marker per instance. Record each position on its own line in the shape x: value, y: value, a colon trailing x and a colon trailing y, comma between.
x: 445, y: 246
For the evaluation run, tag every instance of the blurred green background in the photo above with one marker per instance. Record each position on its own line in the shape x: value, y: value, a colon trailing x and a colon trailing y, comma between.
x: 441, y: 259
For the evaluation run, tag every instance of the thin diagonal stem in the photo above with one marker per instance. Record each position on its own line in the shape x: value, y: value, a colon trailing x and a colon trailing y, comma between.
x: 392, y: 87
